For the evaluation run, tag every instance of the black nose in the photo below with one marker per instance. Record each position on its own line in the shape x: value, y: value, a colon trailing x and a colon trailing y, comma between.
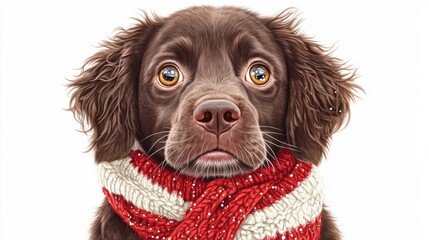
x: 217, y: 115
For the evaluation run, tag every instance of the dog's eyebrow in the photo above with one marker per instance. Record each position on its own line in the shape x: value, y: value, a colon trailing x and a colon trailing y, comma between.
x: 246, y: 46
x: 179, y: 46
x: 180, y: 49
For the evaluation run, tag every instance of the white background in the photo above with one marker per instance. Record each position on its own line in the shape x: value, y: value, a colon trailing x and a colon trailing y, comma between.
x: 376, y: 174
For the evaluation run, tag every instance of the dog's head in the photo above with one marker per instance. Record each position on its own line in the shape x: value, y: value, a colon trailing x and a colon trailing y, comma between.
x: 212, y: 92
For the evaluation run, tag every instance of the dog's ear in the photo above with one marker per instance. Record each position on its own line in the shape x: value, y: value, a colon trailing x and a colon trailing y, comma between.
x: 104, y: 94
x: 319, y: 87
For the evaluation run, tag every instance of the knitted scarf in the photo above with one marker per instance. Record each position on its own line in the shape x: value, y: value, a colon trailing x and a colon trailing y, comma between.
x: 278, y: 201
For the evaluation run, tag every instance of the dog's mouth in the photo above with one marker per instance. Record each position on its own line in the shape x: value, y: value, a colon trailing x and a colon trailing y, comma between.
x: 216, y: 162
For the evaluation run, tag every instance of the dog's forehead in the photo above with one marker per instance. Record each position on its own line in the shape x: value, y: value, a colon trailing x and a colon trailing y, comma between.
x: 209, y: 21
x: 215, y: 33
x: 214, y: 26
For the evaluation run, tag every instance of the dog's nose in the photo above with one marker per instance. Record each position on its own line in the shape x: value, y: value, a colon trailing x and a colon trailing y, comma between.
x: 217, y: 115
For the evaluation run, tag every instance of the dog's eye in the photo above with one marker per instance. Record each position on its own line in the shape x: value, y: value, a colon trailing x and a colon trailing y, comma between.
x: 169, y: 76
x: 258, y: 74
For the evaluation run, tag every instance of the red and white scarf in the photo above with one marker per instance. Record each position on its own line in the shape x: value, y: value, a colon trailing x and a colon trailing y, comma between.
x: 279, y: 201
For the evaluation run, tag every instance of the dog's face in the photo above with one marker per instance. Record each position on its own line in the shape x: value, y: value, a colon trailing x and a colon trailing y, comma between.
x: 206, y: 92
x: 213, y: 92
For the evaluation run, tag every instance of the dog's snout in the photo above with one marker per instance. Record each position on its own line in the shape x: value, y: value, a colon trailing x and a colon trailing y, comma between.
x: 217, y: 115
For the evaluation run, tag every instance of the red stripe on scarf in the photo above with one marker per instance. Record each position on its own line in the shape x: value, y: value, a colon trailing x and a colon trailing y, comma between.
x: 275, y: 180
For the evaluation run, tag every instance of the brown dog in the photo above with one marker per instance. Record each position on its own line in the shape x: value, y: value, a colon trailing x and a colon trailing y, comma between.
x: 219, y: 83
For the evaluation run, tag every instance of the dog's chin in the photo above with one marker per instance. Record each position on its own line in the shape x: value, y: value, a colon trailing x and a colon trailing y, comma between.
x: 216, y: 164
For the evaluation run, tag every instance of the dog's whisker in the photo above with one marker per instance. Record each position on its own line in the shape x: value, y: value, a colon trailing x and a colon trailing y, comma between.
x: 264, y: 154
x: 178, y: 157
x: 259, y: 129
x: 168, y: 156
x: 170, y: 143
x: 162, y: 165
x: 268, y: 135
x: 160, y: 149
x: 179, y: 169
x: 231, y: 144
x: 263, y: 126
x: 159, y: 139
x: 202, y: 166
x: 153, y: 134
x: 173, y: 142
x: 263, y: 132
x: 189, y: 154
x: 238, y: 167
x: 280, y: 142
x: 270, y: 151
x: 177, y: 172
x: 235, y: 165
x: 188, y: 157
x: 182, y: 140
x: 274, y: 133
x: 182, y: 170
x: 241, y: 151
x: 283, y: 143
x: 273, y: 143
x: 251, y: 153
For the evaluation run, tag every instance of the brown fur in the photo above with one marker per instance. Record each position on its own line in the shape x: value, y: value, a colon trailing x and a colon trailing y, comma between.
x: 117, y: 100
x: 321, y: 86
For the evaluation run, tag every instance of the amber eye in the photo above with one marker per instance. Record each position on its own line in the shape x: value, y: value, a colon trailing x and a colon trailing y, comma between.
x: 258, y: 74
x: 169, y: 76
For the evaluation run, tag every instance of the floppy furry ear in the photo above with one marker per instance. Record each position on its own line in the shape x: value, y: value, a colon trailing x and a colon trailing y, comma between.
x: 104, y: 97
x: 320, y: 89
